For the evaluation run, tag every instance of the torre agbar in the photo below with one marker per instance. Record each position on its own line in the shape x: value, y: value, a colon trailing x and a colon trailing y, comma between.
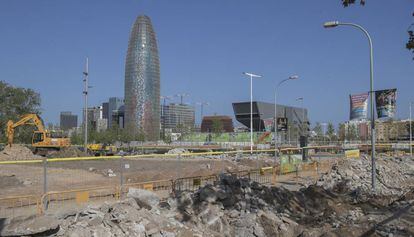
x: 142, y: 80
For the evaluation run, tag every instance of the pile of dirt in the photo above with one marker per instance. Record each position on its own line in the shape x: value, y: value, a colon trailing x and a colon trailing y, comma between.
x: 17, y: 152
x: 68, y: 152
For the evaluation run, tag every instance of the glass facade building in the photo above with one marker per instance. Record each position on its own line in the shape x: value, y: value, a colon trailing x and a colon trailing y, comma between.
x: 142, y: 80
x: 178, y: 117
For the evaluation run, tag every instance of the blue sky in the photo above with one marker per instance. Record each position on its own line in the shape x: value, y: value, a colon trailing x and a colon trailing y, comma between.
x: 204, y: 48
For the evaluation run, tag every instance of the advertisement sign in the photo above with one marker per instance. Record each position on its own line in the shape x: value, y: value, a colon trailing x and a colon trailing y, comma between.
x: 385, y: 103
x: 359, y: 106
x: 282, y: 124
x: 268, y: 124
x: 352, y: 153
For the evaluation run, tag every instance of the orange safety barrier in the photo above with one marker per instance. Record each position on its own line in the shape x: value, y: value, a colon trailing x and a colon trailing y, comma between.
x: 9, y: 206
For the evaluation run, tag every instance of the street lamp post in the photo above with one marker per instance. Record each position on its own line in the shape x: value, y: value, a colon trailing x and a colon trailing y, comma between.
x: 331, y: 24
x: 85, y: 93
x: 294, y: 77
x: 201, y: 109
x: 303, y: 115
x: 411, y: 133
x: 251, y: 75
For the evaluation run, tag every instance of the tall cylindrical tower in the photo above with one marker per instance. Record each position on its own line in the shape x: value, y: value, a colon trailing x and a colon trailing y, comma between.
x: 142, y: 81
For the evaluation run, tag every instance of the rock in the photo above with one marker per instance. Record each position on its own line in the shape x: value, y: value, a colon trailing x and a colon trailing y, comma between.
x: 208, y: 194
x: 110, y: 173
x: 34, y: 225
x: 210, y: 214
x: 27, y: 182
x: 144, y: 198
x: 177, y: 151
x: 80, y: 232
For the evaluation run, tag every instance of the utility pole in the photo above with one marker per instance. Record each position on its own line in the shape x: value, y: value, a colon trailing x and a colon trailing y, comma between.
x: 201, y: 111
x: 85, y: 94
x: 411, y: 133
x: 251, y: 75
x: 371, y: 90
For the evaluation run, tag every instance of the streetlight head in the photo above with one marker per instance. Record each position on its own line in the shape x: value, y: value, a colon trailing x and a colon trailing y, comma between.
x: 294, y: 77
x: 299, y: 99
x: 252, y: 74
x: 330, y: 24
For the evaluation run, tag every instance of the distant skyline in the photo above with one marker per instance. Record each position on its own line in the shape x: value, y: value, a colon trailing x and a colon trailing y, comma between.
x: 205, y: 46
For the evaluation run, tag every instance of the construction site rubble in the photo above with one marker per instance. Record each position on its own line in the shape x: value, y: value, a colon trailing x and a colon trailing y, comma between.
x: 394, y: 176
x: 17, y: 152
x: 67, y: 152
x: 235, y: 206
x: 177, y: 151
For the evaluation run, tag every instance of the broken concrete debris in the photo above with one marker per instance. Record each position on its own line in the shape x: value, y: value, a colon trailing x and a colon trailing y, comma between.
x: 177, y: 151
x: 341, y: 203
x: 144, y: 198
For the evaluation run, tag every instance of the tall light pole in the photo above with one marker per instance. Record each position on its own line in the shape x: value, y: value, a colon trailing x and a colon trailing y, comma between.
x: 331, y: 24
x: 411, y: 133
x: 303, y: 115
x: 201, y: 109
x: 85, y: 93
x: 294, y: 77
x: 251, y: 75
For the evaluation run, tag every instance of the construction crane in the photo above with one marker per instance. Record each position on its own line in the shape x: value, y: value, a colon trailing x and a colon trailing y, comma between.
x: 182, y: 95
x: 42, y: 139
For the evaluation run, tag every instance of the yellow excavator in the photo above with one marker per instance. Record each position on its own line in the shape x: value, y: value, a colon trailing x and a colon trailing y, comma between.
x: 42, y: 140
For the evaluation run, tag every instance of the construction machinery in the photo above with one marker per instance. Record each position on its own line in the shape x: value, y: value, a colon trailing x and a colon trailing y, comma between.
x: 99, y: 149
x: 42, y: 139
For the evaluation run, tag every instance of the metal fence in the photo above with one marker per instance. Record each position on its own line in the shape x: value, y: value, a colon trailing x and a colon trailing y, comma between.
x: 74, y: 182
x: 33, y: 186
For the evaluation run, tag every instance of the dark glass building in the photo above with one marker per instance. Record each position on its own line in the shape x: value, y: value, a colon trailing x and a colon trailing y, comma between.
x: 68, y: 120
x: 225, y: 123
x: 142, y: 80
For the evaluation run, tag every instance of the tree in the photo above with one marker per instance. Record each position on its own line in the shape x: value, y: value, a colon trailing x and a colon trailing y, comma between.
x: 318, y: 129
x: 217, y: 126
x: 352, y: 133
x: 346, y: 3
x: 341, y: 132
x: 15, y: 102
x: 331, y: 132
x: 410, y: 44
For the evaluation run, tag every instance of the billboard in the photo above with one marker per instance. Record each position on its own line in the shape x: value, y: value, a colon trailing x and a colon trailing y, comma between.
x: 359, y: 106
x: 282, y: 124
x: 268, y: 123
x: 385, y: 103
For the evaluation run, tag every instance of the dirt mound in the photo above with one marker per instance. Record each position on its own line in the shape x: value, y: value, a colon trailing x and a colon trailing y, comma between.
x: 68, y: 152
x: 17, y: 152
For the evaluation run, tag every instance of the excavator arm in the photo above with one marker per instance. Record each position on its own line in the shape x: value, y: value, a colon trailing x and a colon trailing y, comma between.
x: 27, y: 119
